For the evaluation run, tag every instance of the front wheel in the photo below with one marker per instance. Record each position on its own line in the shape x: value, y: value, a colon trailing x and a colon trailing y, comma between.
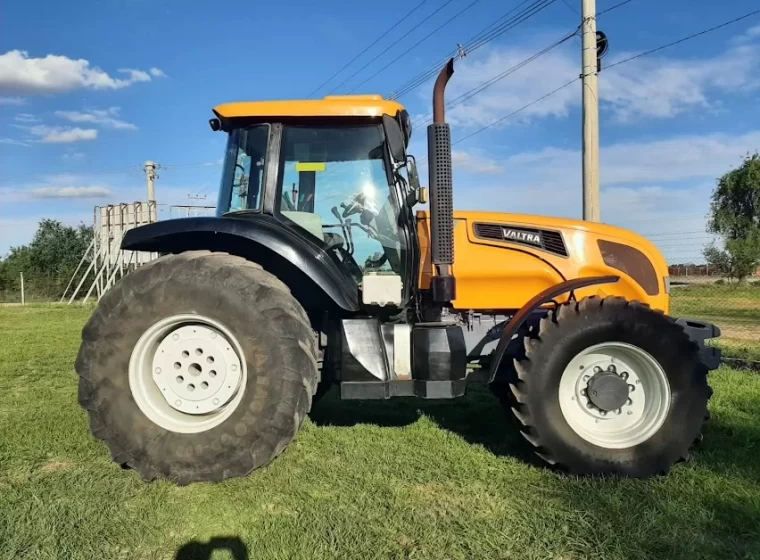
x: 608, y: 386
x: 197, y: 367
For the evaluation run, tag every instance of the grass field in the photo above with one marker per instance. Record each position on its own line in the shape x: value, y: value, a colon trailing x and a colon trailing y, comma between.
x: 409, y: 479
x: 735, y: 309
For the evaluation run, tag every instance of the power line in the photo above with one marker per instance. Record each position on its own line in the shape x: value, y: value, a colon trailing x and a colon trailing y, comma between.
x: 418, y: 43
x: 486, y: 35
x: 613, y: 7
x: 497, y: 121
x: 645, y: 53
x: 513, y: 113
x: 488, y: 83
x: 571, y: 8
x: 389, y: 47
x: 375, y: 42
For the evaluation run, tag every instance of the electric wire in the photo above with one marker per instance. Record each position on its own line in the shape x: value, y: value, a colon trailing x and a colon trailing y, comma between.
x: 418, y: 43
x: 389, y: 47
x: 368, y: 47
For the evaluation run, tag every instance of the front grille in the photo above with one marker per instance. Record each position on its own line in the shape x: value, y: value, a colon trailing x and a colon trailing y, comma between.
x: 550, y: 241
x: 554, y: 243
x: 489, y: 231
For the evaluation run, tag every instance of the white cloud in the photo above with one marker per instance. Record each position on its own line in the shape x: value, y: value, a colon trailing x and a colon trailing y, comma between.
x: 157, y: 73
x: 62, y: 135
x: 12, y: 142
x: 678, y: 158
x: 20, y: 73
x: 660, y: 189
x: 136, y: 75
x: 105, y: 117
x: 72, y: 156
x: 749, y: 35
x: 70, y: 192
x: 474, y: 163
x: 26, y: 118
x: 17, y: 101
x: 658, y: 87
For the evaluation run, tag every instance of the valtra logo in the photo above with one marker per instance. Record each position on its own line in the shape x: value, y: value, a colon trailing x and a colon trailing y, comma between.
x: 521, y: 236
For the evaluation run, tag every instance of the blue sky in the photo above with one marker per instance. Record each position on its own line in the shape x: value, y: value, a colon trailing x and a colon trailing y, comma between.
x: 89, y: 91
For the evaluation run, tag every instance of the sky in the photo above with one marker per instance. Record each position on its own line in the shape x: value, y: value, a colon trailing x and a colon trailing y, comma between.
x: 90, y: 90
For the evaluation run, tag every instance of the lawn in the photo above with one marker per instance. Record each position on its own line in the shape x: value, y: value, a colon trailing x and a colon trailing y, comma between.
x: 408, y: 479
x: 735, y: 309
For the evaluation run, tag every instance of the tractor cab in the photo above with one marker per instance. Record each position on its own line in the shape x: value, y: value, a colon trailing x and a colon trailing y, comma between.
x: 332, y: 170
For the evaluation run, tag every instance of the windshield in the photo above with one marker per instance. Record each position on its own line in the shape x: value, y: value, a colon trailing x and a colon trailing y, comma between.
x: 242, y: 177
x: 334, y: 185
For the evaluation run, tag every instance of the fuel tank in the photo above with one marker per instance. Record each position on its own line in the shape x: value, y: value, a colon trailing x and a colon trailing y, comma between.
x: 502, y: 260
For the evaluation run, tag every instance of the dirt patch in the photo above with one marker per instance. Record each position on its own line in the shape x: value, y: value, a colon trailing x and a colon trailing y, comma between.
x: 54, y: 466
x: 740, y: 332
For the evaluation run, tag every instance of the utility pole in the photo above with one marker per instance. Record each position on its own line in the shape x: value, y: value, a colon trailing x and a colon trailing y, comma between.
x: 23, y: 301
x: 150, y: 173
x: 591, y: 209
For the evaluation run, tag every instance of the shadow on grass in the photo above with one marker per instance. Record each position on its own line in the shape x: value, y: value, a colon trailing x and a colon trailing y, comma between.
x: 195, y: 550
x: 728, y: 447
x: 477, y: 417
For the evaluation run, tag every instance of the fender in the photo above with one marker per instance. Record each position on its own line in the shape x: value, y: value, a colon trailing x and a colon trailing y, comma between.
x: 540, y: 299
x: 309, y: 272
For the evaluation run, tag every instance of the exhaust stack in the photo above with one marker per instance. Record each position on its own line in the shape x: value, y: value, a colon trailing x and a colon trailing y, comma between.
x: 441, y: 209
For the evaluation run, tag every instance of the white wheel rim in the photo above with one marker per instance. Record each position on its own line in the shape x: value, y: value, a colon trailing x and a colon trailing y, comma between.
x: 634, y: 422
x: 187, y: 373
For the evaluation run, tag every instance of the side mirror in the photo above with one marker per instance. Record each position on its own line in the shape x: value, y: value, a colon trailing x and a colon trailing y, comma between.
x: 422, y: 195
x: 395, y: 137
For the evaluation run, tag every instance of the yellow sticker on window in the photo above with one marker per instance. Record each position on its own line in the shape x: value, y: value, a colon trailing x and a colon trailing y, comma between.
x: 310, y: 166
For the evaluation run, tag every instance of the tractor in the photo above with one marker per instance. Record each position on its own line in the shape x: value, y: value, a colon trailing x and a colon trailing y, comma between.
x: 317, y: 272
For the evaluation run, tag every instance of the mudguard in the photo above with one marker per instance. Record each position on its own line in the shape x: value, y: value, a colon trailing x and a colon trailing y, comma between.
x: 313, y: 277
x: 540, y: 299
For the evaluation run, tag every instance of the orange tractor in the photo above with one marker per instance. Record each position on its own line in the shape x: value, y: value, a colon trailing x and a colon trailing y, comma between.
x: 317, y: 272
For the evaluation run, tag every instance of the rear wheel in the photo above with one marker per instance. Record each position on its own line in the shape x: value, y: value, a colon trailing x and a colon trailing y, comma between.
x: 199, y: 366
x: 607, y: 386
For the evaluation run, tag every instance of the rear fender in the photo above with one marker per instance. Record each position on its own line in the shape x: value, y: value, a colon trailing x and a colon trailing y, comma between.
x: 312, y: 276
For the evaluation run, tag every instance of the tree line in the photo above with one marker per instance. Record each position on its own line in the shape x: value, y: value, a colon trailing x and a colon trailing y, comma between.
x: 48, y: 262
x: 735, y: 217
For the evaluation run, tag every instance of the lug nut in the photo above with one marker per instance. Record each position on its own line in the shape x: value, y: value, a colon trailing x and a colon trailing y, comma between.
x: 612, y: 368
x: 624, y: 375
x: 597, y: 369
x: 619, y: 411
x: 629, y: 402
x: 589, y: 405
x: 631, y: 388
x: 603, y: 413
x: 583, y: 392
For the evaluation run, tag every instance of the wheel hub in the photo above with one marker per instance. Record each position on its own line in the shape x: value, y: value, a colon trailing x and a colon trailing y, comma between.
x: 614, y: 395
x: 196, y: 369
x: 607, y: 390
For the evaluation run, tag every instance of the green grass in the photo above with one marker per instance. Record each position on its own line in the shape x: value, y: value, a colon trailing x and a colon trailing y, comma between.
x: 406, y: 479
x: 735, y: 309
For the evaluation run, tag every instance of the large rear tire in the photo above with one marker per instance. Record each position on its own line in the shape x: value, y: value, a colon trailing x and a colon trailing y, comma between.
x: 197, y: 367
x: 607, y: 386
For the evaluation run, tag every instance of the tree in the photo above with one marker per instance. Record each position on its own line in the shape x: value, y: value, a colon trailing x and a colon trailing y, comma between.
x: 735, y: 216
x: 48, y: 262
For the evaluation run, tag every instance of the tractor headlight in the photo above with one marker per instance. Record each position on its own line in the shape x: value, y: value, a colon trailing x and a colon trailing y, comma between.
x: 631, y: 261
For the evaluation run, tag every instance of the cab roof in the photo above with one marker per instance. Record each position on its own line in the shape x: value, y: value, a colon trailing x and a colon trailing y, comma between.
x: 330, y: 106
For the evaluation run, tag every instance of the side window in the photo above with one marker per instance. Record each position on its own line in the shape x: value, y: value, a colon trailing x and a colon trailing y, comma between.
x: 248, y: 160
x: 334, y: 185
